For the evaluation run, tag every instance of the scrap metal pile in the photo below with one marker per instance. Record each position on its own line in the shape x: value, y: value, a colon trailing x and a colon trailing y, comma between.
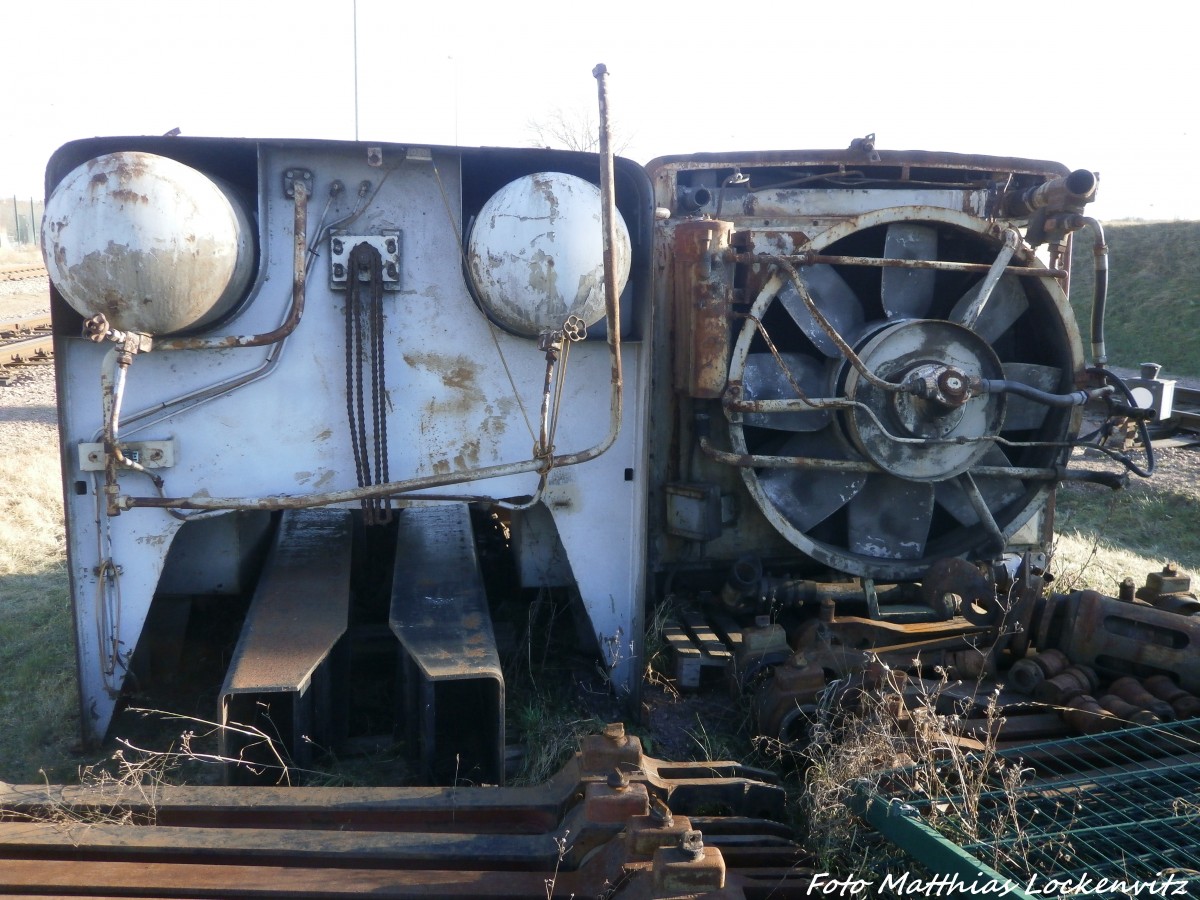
x: 1021, y: 664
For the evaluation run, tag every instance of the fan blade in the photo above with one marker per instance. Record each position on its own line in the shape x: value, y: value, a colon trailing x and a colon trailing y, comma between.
x: 889, y: 518
x: 765, y: 379
x: 997, y: 493
x: 836, y: 301
x: 1025, y: 414
x: 806, y: 497
x: 908, y: 293
x: 1006, y: 304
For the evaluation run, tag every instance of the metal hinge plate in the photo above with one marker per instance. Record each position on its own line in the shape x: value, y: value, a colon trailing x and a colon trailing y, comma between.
x: 340, y: 245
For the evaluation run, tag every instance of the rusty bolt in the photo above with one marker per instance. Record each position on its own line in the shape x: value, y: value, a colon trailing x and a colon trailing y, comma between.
x: 953, y: 386
x: 618, y: 780
x: 661, y: 813
x: 615, y: 732
x: 1127, y: 590
x: 692, y: 843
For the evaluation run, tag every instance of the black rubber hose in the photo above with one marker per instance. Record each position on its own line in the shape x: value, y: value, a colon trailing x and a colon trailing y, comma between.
x: 1143, y: 430
x: 1029, y: 392
x: 1099, y: 293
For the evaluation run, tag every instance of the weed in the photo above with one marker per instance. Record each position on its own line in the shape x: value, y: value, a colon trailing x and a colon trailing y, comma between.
x: 656, y: 657
x: 550, y: 729
x: 563, y: 849
x: 897, y: 738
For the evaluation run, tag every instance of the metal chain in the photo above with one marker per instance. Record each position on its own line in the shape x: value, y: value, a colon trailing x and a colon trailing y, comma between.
x: 365, y: 347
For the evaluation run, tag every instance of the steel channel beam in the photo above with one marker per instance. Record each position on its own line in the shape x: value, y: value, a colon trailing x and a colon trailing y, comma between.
x: 453, y: 682
x: 281, y: 666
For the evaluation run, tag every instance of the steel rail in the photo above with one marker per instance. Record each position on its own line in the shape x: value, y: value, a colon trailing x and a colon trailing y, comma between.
x: 37, y: 349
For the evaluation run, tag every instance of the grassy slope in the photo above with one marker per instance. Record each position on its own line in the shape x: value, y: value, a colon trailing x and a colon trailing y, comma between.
x: 1153, y: 309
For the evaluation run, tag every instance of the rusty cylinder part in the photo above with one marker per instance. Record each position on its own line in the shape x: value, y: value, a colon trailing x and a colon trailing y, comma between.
x: 1185, y: 705
x: 1127, y: 711
x: 1026, y: 674
x: 1067, y: 193
x: 1120, y: 638
x: 1084, y: 715
x: 745, y: 575
x: 1067, y: 685
x: 702, y: 296
x: 1131, y: 689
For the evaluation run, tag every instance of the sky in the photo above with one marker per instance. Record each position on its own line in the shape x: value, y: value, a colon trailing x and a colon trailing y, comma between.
x: 1109, y: 86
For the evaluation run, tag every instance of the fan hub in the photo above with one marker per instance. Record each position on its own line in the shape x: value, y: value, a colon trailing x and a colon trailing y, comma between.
x: 930, y: 428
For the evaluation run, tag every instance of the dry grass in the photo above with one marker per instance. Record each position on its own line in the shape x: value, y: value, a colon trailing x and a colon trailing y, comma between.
x: 38, y: 698
x: 897, y: 739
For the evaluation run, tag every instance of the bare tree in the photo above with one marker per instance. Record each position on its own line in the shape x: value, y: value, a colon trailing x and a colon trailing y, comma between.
x: 574, y: 129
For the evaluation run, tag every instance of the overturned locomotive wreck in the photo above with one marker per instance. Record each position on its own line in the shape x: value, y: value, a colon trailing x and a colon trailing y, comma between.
x: 821, y: 399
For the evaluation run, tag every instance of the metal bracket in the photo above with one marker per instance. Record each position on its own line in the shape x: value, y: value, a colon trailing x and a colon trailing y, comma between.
x: 291, y: 175
x: 148, y: 454
x: 340, y: 245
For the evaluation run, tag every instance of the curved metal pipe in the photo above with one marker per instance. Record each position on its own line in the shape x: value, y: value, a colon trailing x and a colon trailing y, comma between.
x: 299, y: 256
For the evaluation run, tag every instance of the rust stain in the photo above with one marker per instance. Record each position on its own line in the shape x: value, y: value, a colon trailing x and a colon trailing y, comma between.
x: 468, y: 457
x: 456, y: 372
x: 127, y: 196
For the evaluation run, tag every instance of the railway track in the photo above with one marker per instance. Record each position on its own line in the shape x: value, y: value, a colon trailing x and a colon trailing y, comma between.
x: 21, y: 273
x: 662, y: 829
x: 25, y: 342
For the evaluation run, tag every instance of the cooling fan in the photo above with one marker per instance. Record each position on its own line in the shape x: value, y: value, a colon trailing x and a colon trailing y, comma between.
x: 882, y: 482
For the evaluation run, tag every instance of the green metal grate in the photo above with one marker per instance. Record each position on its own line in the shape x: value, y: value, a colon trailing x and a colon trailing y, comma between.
x: 1117, y: 807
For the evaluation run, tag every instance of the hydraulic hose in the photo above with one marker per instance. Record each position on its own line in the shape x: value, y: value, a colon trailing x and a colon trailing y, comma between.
x: 1099, y: 292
